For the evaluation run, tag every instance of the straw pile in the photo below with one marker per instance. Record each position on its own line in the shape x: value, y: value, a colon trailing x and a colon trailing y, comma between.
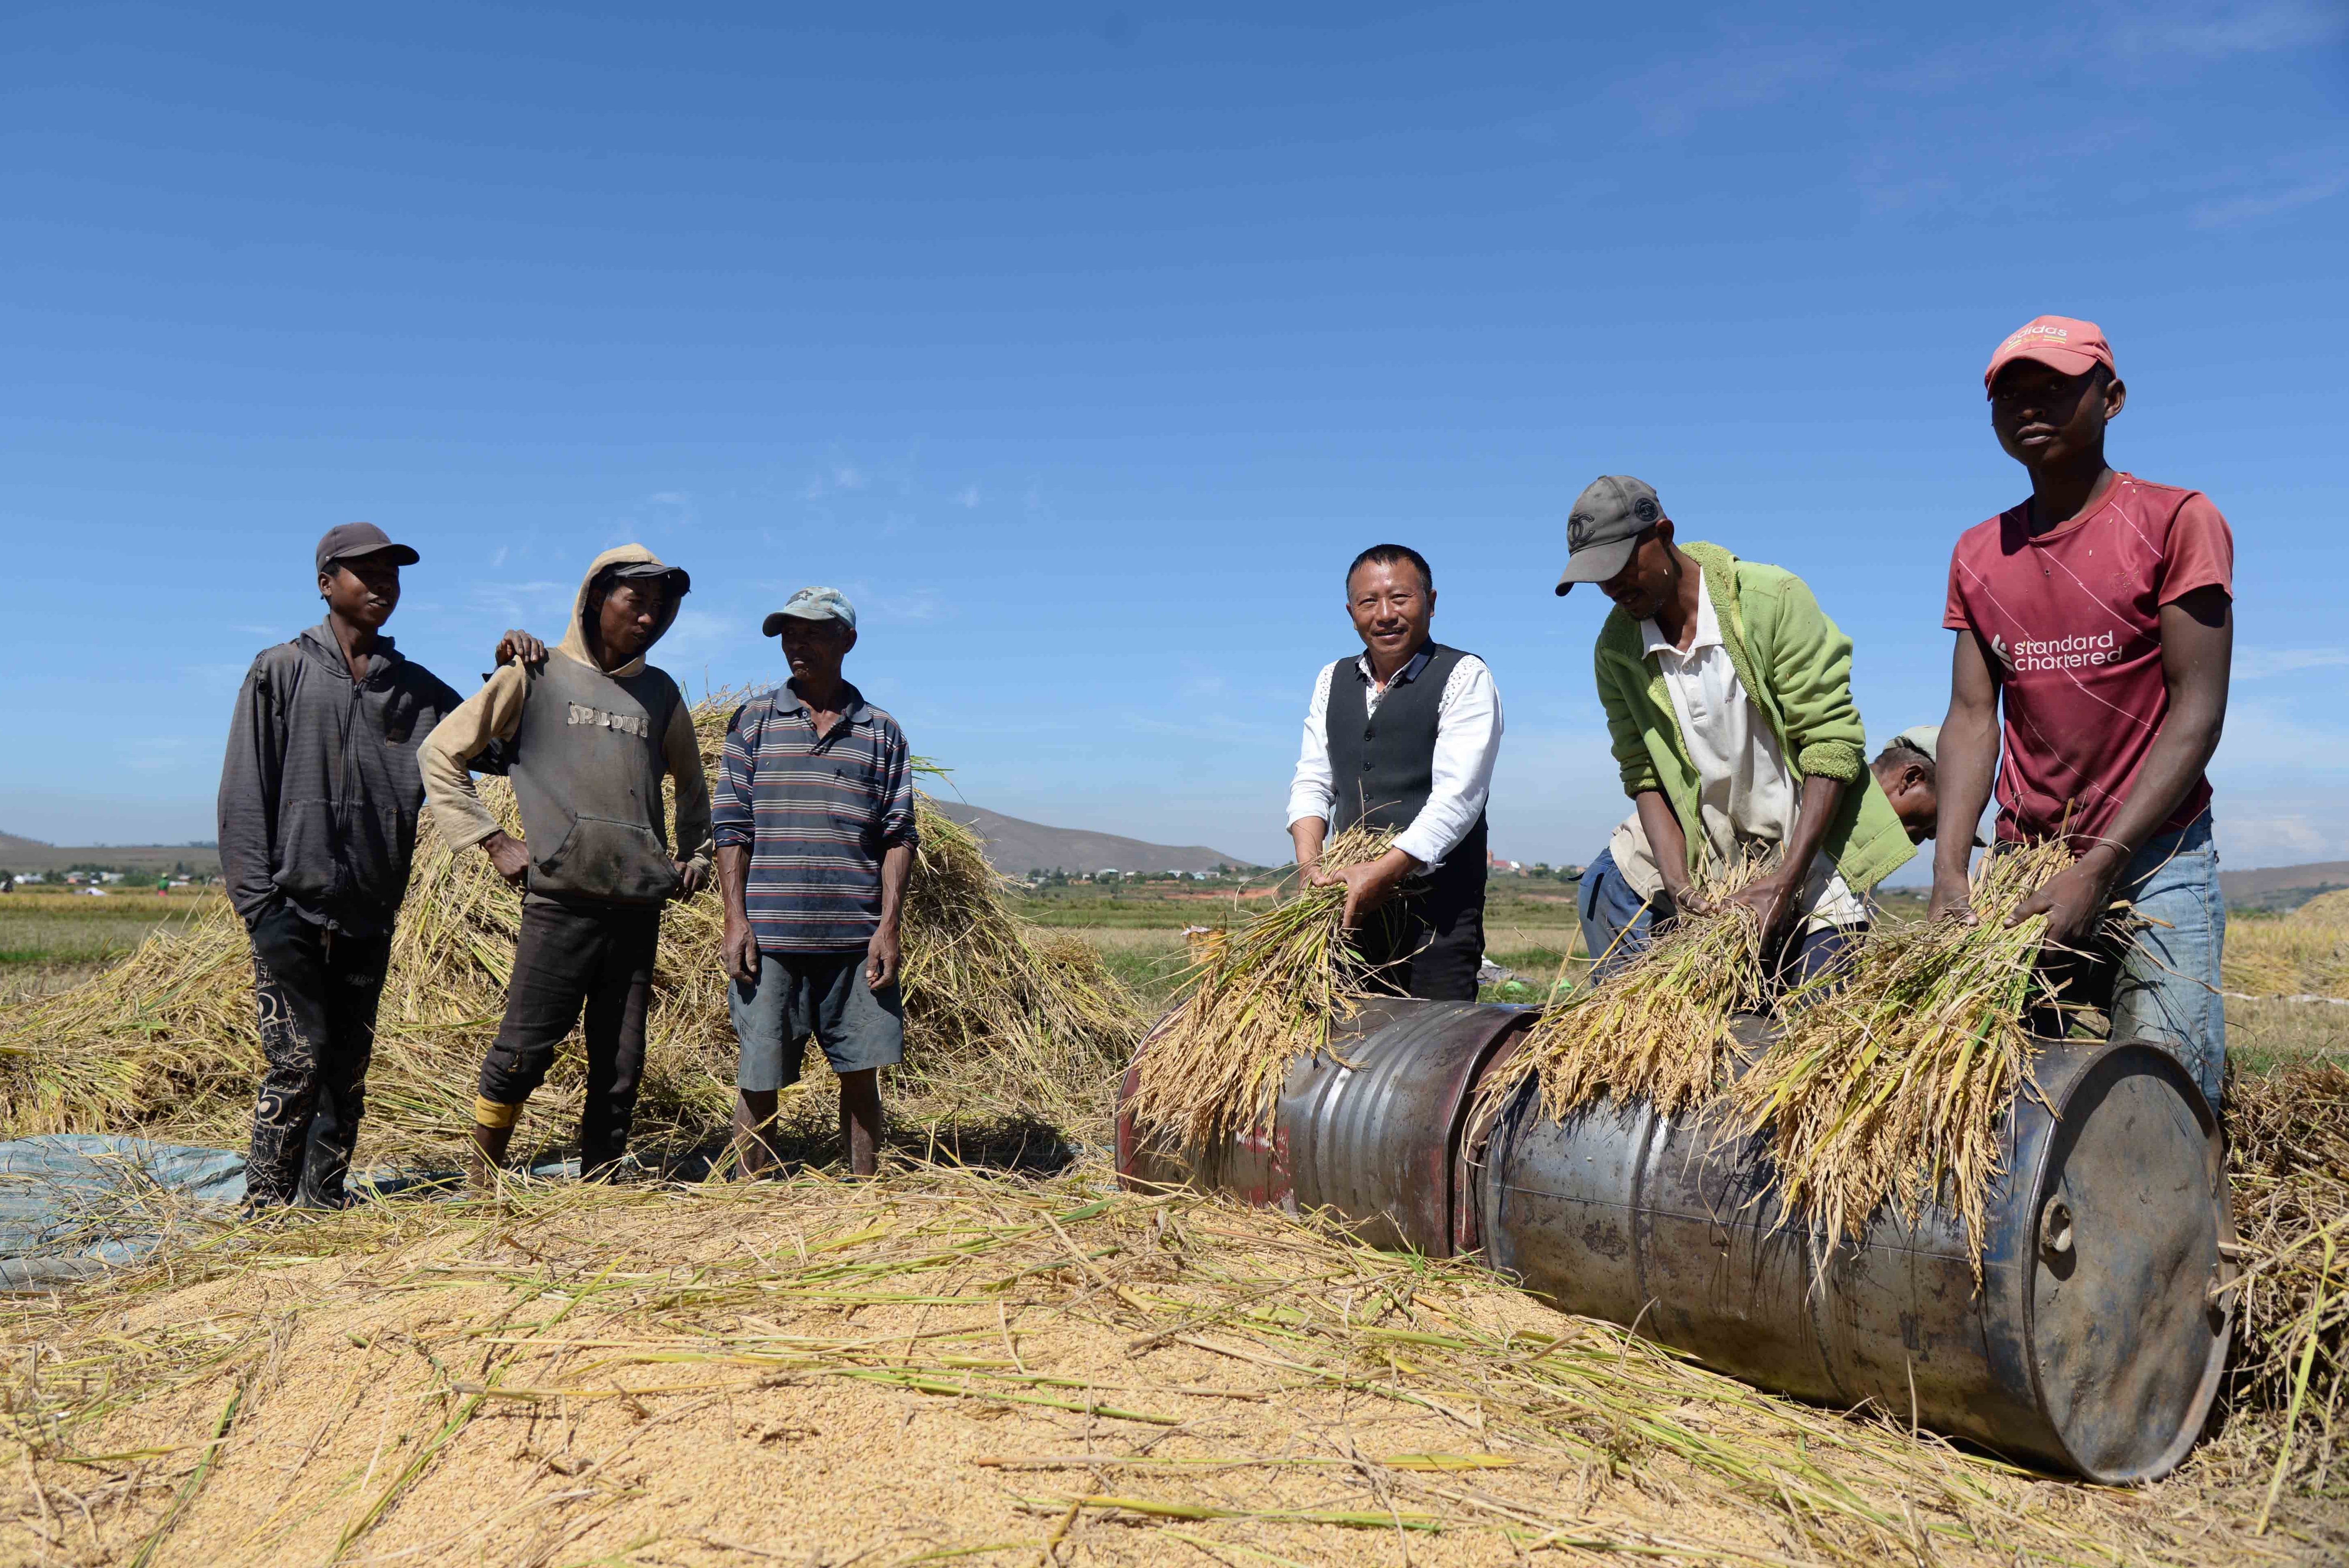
x: 1658, y: 1027
x: 2288, y: 1152
x: 1259, y: 1000
x: 1889, y: 1085
x: 940, y: 1366
x: 1000, y: 1014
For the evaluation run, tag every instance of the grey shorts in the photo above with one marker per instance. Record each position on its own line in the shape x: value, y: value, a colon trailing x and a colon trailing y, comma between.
x: 820, y: 994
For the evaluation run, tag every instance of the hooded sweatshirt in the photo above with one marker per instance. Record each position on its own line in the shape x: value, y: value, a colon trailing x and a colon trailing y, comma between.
x: 320, y: 790
x: 587, y: 748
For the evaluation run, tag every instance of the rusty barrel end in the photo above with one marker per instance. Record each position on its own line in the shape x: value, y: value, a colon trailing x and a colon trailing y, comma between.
x: 2125, y: 1235
x: 1370, y: 1130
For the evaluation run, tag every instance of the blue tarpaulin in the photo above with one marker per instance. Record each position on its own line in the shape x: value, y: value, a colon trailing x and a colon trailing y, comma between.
x: 73, y: 1204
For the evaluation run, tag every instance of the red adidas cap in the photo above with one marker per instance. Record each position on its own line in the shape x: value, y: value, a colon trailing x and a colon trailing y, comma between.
x: 2059, y: 342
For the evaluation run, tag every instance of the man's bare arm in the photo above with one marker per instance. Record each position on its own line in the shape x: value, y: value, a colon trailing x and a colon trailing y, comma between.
x: 2198, y: 648
x: 1968, y: 757
x: 1668, y: 845
x: 1773, y: 897
x: 884, y: 956
x: 738, y: 948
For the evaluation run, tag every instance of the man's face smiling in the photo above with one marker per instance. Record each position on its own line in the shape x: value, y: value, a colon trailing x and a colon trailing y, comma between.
x: 364, y: 590
x: 1392, y: 606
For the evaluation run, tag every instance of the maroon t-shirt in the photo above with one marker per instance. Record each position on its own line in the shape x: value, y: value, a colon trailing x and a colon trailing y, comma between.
x: 2071, y: 621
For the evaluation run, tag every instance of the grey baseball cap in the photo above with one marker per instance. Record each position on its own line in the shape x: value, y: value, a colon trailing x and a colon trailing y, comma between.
x: 1604, y: 528
x: 812, y: 604
x: 348, y: 541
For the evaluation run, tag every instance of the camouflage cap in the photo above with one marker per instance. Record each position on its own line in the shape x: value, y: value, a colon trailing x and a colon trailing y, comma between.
x: 812, y: 604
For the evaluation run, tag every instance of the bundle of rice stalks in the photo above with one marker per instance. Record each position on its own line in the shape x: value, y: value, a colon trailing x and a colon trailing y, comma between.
x: 1892, y: 1078
x: 2288, y: 1149
x: 996, y: 1010
x: 1260, y: 999
x: 1657, y: 1028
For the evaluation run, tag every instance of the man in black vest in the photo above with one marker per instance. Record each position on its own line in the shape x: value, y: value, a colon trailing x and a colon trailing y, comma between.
x: 1402, y: 737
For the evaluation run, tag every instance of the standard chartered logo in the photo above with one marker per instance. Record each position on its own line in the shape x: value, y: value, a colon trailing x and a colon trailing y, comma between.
x: 2083, y: 652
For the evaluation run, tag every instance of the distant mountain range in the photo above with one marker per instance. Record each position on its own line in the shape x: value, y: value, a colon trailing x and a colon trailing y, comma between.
x: 2282, y: 887
x: 1013, y: 846
x: 1016, y: 847
x: 20, y: 854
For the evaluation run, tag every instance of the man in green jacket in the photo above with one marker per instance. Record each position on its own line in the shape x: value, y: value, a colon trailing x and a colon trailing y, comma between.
x: 1728, y: 699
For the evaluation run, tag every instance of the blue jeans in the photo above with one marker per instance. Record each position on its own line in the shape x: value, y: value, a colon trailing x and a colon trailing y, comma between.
x: 1618, y: 925
x: 2164, y: 988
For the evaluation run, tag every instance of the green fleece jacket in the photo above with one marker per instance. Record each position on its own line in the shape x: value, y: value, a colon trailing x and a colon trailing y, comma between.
x: 1797, y: 666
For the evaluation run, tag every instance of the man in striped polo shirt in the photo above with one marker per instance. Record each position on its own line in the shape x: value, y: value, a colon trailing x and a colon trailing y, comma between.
x: 814, y: 823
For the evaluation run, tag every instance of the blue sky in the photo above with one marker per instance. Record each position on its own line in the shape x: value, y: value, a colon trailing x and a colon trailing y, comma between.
x: 1083, y: 345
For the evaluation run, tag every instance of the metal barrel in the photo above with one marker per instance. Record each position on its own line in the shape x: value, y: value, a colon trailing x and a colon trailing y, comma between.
x: 2094, y: 1344
x: 1370, y: 1130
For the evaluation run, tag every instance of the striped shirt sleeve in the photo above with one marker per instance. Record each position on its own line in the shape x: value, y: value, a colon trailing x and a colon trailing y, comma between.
x: 731, y: 818
x: 897, y: 792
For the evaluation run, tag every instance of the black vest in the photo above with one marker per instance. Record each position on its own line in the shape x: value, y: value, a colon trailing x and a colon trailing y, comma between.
x: 1382, y: 764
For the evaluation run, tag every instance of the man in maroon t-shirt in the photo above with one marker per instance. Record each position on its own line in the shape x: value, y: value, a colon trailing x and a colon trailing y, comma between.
x: 2099, y: 616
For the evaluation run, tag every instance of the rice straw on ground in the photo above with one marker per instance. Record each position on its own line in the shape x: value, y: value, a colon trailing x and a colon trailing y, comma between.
x: 945, y: 1362
x: 1259, y: 1000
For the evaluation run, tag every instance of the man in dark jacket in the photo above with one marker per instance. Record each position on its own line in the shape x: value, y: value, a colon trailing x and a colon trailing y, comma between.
x: 1402, y: 737
x: 318, y: 802
x: 589, y: 737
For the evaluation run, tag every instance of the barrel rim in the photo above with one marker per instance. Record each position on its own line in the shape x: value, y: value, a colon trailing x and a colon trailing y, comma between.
x: 2084, y: 1066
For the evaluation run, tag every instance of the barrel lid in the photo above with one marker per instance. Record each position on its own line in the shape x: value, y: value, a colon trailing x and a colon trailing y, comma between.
x: 2125, y: 1226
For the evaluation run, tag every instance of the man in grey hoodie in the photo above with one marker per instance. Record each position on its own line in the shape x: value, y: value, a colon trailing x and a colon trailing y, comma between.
x: 588, y: 737
x: 319, y: 796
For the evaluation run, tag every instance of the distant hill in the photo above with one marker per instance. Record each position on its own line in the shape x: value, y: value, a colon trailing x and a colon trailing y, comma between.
x: 1016, y: 847
x: 23, y: 854
x: 2282, y: 887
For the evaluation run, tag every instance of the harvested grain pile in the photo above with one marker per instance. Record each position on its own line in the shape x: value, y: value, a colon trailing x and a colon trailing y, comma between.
x: 944, y: 1365
x: 2304, y: 953
x: 1658, y: 1027
x: 2324, y: 909
x: 1260, y: 998
x: 998, y: 1013
x: 2288, y: 1154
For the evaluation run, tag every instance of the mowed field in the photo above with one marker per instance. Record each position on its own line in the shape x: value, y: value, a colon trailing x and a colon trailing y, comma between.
x: 2287, y: 976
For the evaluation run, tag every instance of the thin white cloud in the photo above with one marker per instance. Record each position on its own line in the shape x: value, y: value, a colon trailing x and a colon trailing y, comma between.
x: 2253, y: 206
x: 1746, y: 72
x: 2208, y: 30
x: 966, y: 497
x: 847, y: 478
x: 2260, y: 664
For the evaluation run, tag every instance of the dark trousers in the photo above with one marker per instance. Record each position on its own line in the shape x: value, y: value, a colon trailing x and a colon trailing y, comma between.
x: 1428, y: 946
x: 316, y: 992
x: 571, y: 955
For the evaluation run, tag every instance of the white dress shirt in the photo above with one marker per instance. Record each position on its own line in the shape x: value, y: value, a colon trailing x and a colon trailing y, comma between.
x: 1467, y: 741
x: 1746, y: 795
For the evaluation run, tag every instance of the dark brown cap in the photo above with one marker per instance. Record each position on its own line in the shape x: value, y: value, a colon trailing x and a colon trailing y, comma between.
x: 346, y: 539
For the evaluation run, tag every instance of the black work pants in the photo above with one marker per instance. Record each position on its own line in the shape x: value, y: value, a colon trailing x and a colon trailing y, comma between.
x: 316, y: 992
x: 570, y: 954
x: 1429, y: 945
